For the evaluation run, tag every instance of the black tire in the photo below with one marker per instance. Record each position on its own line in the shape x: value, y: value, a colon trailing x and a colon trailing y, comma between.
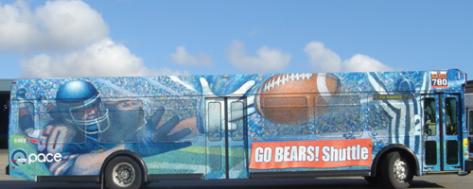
x: 131, y: 176
x: 396, y: 171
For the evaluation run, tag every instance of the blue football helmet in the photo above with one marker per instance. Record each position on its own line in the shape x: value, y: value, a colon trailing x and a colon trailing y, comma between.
x: 80, y: 104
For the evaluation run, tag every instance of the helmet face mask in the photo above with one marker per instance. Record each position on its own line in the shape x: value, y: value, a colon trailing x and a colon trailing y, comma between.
x: 91, y: 116
x: 87, y: 113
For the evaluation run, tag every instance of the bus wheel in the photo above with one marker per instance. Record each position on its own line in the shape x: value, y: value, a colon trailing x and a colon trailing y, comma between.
x: 123, y: 172
x: 396, y: 171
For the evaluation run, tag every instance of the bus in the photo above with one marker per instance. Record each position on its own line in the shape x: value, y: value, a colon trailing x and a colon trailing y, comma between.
x: 124, y: 132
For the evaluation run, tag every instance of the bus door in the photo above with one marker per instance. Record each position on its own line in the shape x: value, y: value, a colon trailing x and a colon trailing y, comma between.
x: 470, y: 131
x: 226, y: 138
x: 442, y: 144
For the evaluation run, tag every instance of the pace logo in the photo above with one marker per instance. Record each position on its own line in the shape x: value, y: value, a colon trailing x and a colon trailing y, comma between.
x: 44, y: 158
x: 19, y: 157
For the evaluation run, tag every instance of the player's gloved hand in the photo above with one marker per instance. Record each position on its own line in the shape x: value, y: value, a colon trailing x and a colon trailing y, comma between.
x: 155, y: 140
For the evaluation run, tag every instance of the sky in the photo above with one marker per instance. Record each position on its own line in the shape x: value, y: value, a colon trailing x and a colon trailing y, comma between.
x: 128, y: 38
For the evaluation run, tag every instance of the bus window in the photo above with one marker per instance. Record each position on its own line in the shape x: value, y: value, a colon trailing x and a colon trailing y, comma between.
x: 452, y: 152
x: 287, y: 115
x: 128, y: 114
x: 451, y: 127
x: 430, y: 152
x: 183, y: 106
x: 237, y: 125
x: 338, y: 113
x: 451, y: 118
x: 286, y: 109
x: 214, y: 121
x: 26, y: 118
x: 470, y: 122
x: 53, y: 119
x: 430, y: 117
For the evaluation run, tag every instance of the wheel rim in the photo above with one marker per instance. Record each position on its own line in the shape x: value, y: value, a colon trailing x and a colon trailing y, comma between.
x: 400, y: 170
x: 123, y: 174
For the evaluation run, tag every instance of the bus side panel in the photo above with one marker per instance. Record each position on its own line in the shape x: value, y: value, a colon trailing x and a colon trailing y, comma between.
x: 343, y: 127
x: 348, y: 117
x: 15, y: 148
x: 22, y: 151
x: 55, y: 133
x: 188, y: 160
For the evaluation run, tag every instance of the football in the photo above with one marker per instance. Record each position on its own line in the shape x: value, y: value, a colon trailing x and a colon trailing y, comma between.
x: 295, y: 98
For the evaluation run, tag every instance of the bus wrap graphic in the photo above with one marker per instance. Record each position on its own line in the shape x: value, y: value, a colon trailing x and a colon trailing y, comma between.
x: 232, y: 126
x: 311, y: 154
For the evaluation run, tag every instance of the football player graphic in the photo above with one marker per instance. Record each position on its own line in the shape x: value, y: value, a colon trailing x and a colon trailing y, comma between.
x: 85, y: 130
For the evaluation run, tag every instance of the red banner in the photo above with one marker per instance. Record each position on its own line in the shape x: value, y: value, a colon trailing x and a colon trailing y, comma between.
x: 311, y: 154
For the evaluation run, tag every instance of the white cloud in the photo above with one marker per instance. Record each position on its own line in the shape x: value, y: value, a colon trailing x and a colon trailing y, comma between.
x: 324, y: 59
x: 71, y: 23
x: 104, y: 58
x: 266, y: 59
x: 65, y: 38
x: 17, y: 30
x: 362, y: 63
x: 56, y: 25
x: 183, y: 57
